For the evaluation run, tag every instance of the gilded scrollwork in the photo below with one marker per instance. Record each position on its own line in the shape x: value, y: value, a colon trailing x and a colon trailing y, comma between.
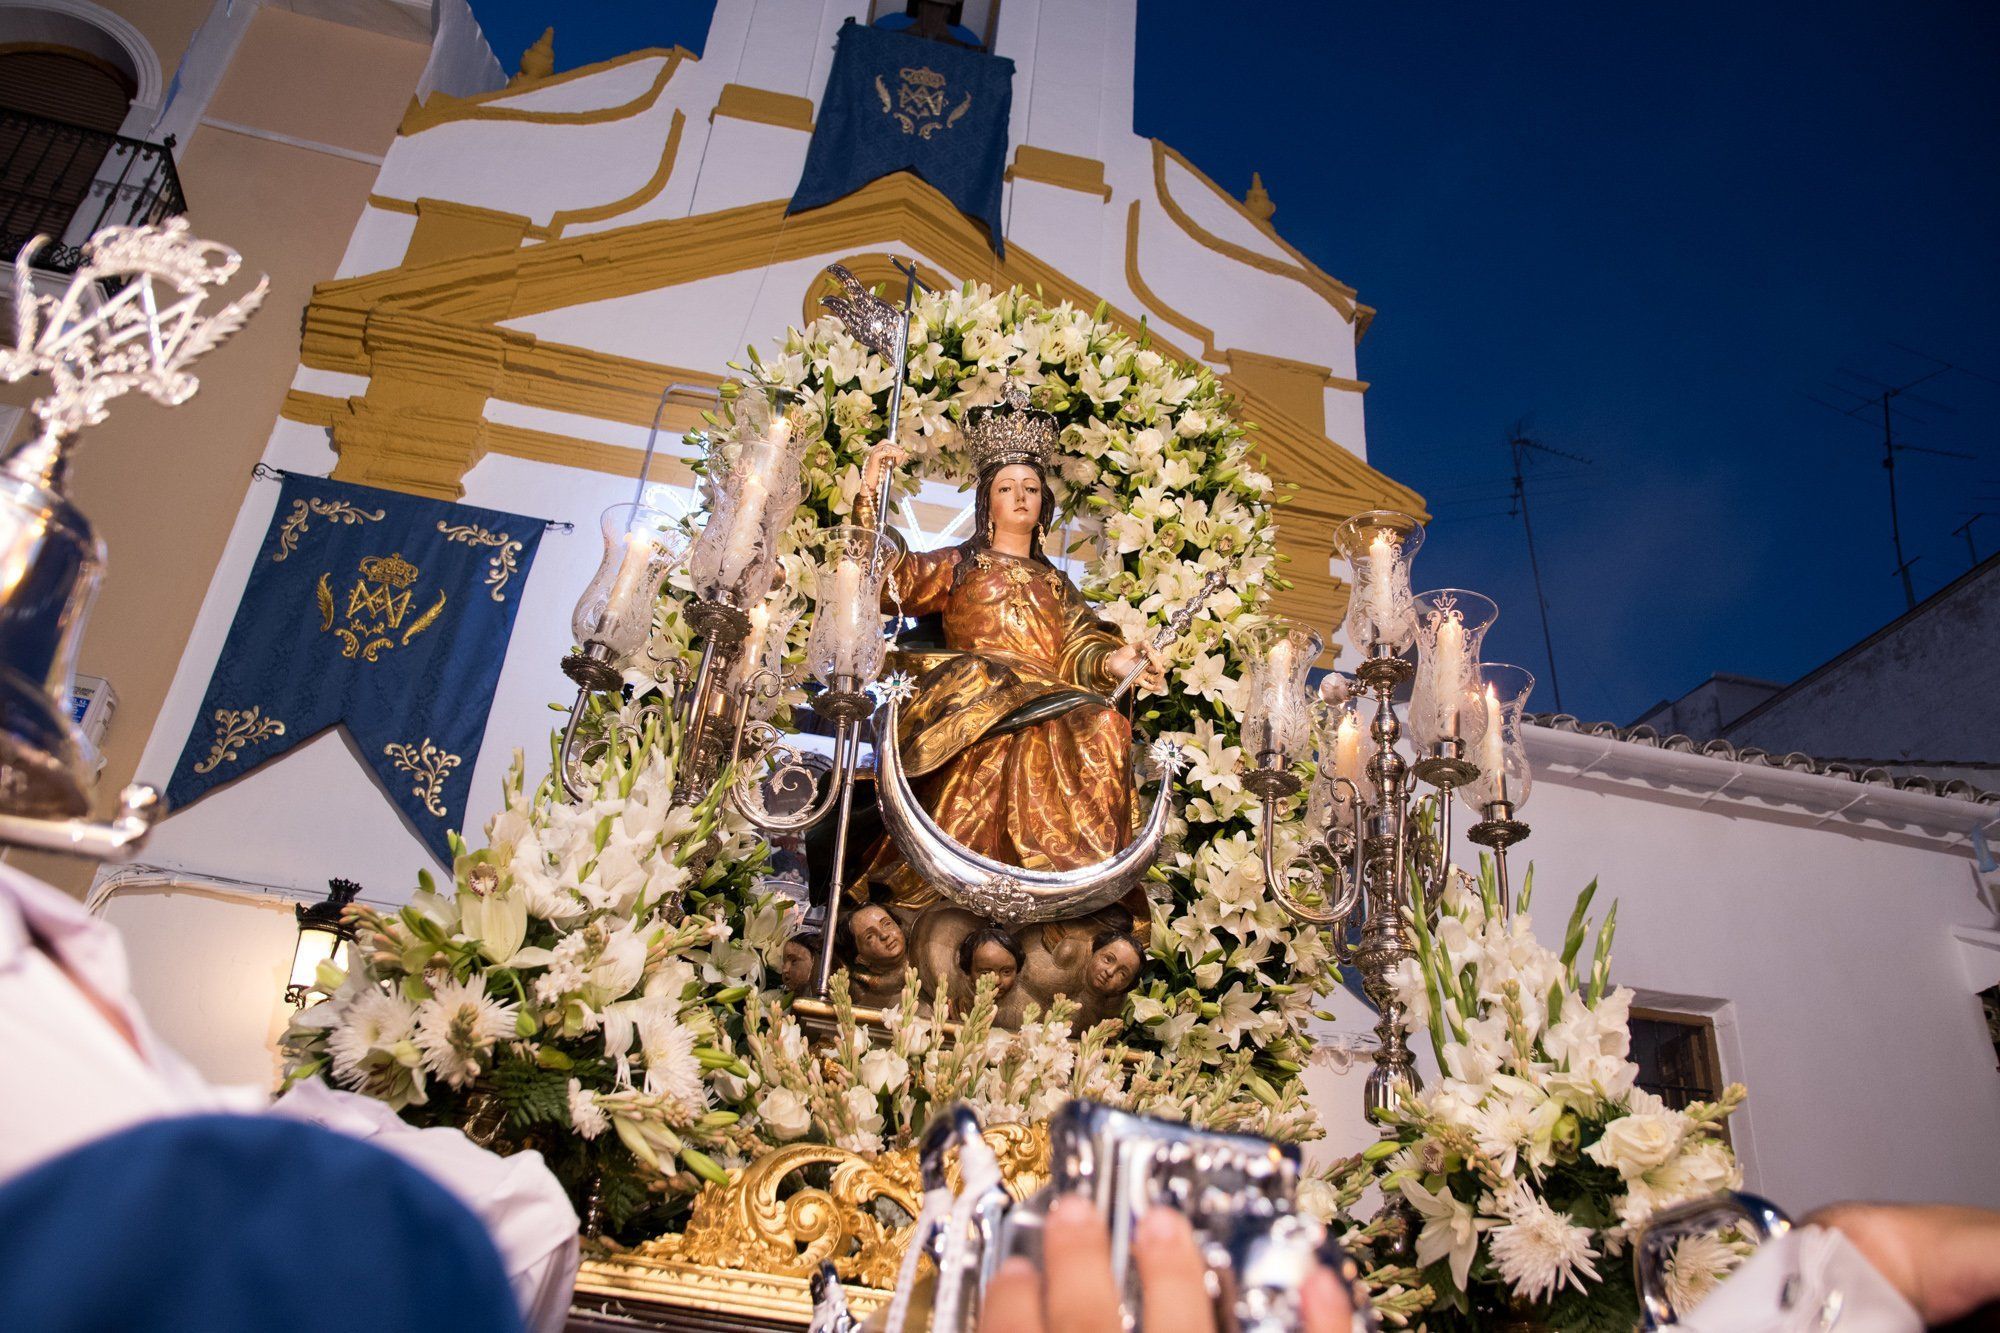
x: 236, y: 728
x: 502, y: 566
x: 305, y: 509
x: 429, y: 765
x: 772, y: 1217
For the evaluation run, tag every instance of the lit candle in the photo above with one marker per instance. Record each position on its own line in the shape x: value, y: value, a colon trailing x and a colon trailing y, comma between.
x: 1277, y: 706
x: 845, y: 604
x: 1347, y: 762
x: 638, y: 554
x: 748, y: 527
x: 1493, y: 752
x: 1381, y: 591
x: 753, y: 643
x: 1448, y: 671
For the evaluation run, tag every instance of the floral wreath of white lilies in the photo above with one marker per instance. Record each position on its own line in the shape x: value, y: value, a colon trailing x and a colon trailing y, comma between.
x: 597, y: 965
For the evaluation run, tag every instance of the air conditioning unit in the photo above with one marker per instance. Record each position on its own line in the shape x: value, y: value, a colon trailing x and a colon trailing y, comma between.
x: 91, y: 704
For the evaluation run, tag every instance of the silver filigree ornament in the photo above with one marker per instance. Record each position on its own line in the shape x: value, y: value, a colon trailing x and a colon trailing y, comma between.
x: 131, y: 341
x: 128, y: 320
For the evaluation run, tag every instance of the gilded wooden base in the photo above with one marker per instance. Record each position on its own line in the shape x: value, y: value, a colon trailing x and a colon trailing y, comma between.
x: 751, y: 1246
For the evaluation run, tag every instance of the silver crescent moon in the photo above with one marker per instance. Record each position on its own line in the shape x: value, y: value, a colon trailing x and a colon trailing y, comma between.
x: 1008, y: 894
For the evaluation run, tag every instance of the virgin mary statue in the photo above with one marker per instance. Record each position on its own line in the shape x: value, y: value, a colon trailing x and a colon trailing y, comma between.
x: 1009, y: 740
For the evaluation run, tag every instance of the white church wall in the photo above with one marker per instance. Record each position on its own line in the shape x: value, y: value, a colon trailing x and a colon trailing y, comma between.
x: 788, y: 47
x: 380, y: 240
x: 747, y: 162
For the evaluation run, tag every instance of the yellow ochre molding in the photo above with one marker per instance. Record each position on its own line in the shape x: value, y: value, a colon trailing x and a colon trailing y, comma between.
x: 455, y: 298
x: 384, y: 202
x: 645, y: 194
x: 443, y: 109
x: 1084, y: 174
x: 1152, y: 298
x: 1324, y: 373
x: 740, y: 101
x: 1337, y: 293
x: 446, y: 230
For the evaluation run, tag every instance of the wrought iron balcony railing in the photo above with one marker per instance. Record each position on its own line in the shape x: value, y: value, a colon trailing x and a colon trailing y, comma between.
x: 68, y: 181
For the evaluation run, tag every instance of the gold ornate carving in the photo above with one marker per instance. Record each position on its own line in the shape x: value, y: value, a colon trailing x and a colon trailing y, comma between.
x: 619, y: 1280
x: 429, y: 765
x: 294, y: 526
x: 771, y: 1218
x: 502, y: 566
x: 234, y: 729
x: 739, y: 101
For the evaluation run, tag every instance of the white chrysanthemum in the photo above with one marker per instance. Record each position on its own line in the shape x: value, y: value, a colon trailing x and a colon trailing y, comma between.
x: 1698, y: 1263
x: 673, y: 1072
x: 456, y: 1028
x: 586, y: 1117
x: 1537, y: 1249
x: 374, y: 1023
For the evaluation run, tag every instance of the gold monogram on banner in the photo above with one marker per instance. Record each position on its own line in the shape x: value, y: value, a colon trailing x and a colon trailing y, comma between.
x: 919, y: 103
x: 377, y: 605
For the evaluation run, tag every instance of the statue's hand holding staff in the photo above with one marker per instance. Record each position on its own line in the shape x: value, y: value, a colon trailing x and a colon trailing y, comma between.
x: 882, y: 459
x: 1138, y: 663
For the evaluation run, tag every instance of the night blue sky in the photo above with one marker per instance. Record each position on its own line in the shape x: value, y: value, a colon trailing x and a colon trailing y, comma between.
x: 1653, y: 231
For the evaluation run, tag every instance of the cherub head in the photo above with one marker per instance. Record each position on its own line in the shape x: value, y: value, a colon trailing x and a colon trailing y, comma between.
x: 874, y: 938
x: 799, y: 962
x: 991, y: 950
x: 1115, y: 961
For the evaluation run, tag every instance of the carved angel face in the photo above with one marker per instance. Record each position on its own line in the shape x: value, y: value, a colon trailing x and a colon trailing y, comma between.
x: 878, y: 940
x: 997, y: 959
x: 1113, y: 968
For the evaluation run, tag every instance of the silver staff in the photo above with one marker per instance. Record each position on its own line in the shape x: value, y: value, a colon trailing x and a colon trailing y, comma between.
x: 1177, y: 625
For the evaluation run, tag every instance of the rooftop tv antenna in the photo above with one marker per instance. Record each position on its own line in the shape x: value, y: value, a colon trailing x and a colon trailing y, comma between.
x: 1520, y: 447
x: 1885, y: 401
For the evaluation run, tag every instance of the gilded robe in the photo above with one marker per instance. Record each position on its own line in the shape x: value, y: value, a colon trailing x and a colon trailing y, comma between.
x: 1008, y: 741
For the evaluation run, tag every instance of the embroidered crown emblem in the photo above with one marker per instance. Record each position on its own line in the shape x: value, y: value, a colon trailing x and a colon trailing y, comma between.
x: 392, y: 570
x: 1011, y: 431
x: 926, y: 78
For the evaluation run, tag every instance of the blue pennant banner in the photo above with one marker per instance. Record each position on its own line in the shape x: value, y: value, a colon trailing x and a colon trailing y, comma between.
x: 383, y: 612
x: 900, y: 103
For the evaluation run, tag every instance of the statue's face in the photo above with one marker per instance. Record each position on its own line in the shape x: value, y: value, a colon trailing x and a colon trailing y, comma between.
x: 1113, y: 969
x: 995, y: 958
x: 878, y: 940
x: 1015, y: 501
x: 795, y: 969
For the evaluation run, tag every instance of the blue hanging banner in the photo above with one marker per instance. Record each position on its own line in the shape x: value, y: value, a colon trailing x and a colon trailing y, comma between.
x: 900, y: 103
x: 386, y: 613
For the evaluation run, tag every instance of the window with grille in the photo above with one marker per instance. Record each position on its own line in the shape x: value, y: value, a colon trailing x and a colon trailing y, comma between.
x: 1676, y: 1056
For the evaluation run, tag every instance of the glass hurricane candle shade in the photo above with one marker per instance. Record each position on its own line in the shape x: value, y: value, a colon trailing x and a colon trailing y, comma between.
x: 1342, y: 749
x: 641, y: 548
x: 1277, y: 721
x: 756, y: 492
x: 1377, y: 545
x: 845, y: 648
x: 1499, y: 752
x: 1444, y: 704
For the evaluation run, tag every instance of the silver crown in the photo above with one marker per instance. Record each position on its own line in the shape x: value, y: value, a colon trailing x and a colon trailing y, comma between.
x: 1011, y: 431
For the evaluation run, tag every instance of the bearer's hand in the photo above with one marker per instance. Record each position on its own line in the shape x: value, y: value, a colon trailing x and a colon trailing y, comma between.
x: 1154, y: 677
x: 883, y: 456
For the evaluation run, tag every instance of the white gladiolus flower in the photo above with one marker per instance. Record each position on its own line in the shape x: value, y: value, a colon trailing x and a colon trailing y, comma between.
x: 1451, y: 1229
x: 457, y: 1026
x: 1537, y: 1249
